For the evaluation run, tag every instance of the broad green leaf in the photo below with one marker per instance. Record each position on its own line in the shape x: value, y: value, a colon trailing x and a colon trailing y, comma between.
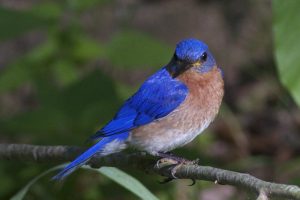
x: 14, y: 22
x: 21, y: 194
x: 136, y: 50
x: 127, y: 181
x: 286, y: 28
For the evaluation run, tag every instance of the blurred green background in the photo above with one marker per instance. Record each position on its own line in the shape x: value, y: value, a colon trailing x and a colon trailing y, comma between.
x: 66, y: 67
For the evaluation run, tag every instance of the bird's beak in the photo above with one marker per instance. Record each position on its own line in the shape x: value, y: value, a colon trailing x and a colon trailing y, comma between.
x: 176, y: 68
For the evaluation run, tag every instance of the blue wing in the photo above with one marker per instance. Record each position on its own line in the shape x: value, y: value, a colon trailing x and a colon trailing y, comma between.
x: 156, y: 98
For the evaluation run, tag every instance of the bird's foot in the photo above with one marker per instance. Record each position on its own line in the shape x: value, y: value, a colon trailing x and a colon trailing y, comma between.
x: 176, y: 162
x: 170, y: 158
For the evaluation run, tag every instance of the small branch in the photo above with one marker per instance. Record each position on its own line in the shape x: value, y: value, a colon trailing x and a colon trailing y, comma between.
x: 147, y: 163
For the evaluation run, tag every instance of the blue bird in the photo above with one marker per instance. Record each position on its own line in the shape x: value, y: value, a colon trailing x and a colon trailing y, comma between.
x: 169, y: 110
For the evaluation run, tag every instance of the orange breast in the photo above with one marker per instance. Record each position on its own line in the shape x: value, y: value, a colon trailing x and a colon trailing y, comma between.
x: 205, y: 91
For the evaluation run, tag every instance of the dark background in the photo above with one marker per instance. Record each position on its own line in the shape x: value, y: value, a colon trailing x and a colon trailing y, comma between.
x: 66, y: 66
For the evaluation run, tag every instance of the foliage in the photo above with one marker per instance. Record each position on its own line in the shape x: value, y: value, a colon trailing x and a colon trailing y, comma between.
x: 16, y: 22
x: 21, y: 194
x: 144, y: 51
x: 127, y: 182
x: 287, y: 44
x: 115, y: 174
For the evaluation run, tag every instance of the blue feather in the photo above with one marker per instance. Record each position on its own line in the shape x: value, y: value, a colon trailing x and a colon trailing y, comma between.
x: 157, y: 97
x: 83, y: 158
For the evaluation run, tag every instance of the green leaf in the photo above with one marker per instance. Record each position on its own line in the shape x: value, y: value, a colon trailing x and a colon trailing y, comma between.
x: 65, y: 72
x: 286, y: 31
x: 14, y: 23
x: 21, y: 194
x: 127, y: 181
x: 136, y: 50
x: 87, y: 49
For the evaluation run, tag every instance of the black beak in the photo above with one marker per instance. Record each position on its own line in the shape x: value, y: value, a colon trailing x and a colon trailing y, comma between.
x: 176, y: 67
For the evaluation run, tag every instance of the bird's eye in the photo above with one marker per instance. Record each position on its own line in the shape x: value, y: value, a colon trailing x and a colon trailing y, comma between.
x: 203, y: 57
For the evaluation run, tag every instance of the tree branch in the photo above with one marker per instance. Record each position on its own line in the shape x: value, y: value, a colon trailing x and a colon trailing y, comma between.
x: 147, y: 163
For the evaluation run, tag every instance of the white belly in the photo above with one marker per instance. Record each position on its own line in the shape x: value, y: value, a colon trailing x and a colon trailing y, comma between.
x: 168, y: 139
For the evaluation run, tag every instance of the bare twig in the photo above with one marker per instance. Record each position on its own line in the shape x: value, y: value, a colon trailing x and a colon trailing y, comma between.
x: 145, y: 162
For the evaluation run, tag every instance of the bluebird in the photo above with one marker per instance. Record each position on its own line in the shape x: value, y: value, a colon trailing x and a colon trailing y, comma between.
x: 169, y: 110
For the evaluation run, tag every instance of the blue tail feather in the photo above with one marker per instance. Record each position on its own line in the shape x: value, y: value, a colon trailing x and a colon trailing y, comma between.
x: 83, y: 158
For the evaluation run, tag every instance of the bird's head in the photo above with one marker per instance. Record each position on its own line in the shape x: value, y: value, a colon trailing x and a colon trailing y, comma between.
x: 191, y: 54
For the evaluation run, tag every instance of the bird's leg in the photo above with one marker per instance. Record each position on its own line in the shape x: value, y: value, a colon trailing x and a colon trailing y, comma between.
x: 176, y: 161
x: 171, y: 158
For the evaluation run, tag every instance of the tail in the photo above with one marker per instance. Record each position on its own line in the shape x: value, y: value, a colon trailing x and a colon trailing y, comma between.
x: 97, y: 148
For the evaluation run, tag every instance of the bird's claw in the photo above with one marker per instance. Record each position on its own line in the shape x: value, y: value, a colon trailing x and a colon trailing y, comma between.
x: 174, y: 169
x: 193, y: 182
x: 175, y: 163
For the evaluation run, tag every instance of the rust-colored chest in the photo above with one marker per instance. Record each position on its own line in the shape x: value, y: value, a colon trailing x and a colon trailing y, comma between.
x: 205, y: 92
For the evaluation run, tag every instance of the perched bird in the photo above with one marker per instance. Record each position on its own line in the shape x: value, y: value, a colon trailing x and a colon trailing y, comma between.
x: 169, y: 110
